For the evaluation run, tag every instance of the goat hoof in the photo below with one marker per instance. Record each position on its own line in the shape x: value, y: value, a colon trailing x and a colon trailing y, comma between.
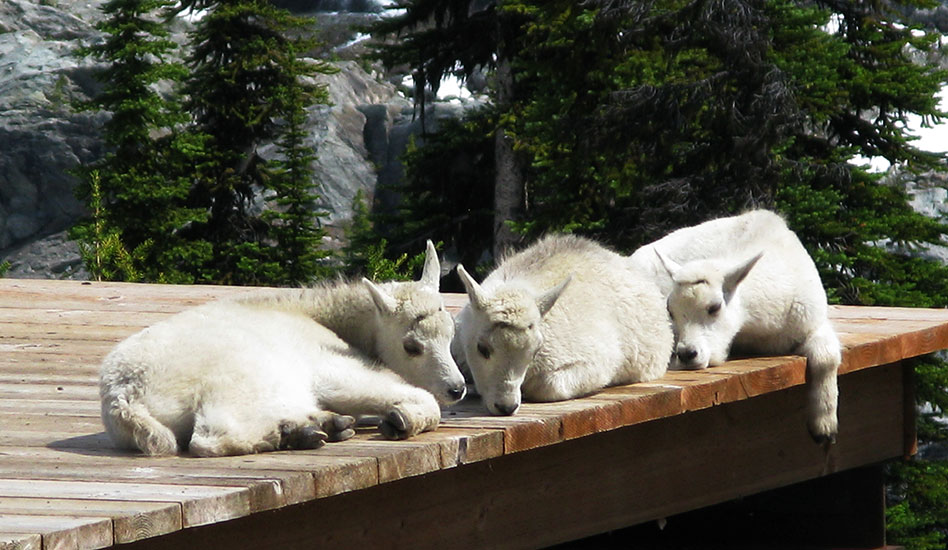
x: 311, y: 437
x: 337, y: 426
x: 295, y: 436
x: 394, y: 425
x: 342, y: 422
x: 342, y: 435
x: 824, y: 440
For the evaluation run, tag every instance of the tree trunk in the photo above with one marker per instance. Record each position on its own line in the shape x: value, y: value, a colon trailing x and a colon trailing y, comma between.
x: 508, y: 179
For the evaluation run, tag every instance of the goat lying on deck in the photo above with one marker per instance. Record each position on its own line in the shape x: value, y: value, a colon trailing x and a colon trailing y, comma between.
x: 285, y: 369
x: 747, y: 281
x: 561, y: 319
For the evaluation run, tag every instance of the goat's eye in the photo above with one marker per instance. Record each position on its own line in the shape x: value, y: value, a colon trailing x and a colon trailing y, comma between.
x: 413, y: 347
x: 714, y: 308
x: 483, y: 350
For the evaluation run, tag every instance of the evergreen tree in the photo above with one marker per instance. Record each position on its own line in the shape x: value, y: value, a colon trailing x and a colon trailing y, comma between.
x: 245, y: 91
x: 137, y: 174
x: 451, y: 193
x: 459, y: 37
x: 366, y: 254
x: 295, y: 224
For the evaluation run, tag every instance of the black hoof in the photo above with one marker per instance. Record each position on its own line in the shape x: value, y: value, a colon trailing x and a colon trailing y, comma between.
x: 823, y: 440
x: 294, y: 436
x: 342, y: 435
x: 342, y: 423
x: 311, y: 437
x: 394, y: 426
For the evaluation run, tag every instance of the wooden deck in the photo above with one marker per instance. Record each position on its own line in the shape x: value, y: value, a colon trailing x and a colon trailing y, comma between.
x: 628, y: 454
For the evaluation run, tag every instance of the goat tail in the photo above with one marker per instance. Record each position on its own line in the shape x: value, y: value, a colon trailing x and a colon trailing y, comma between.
x: 822, y: 350
x: 131, y: 425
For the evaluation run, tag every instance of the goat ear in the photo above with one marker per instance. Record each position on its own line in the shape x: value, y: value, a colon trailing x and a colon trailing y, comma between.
x: 547, y: 299
x: 474, y: 292
x: 431, y: 273
x: 670, y: 265
x: 384, y: 301
x: 737, y: 274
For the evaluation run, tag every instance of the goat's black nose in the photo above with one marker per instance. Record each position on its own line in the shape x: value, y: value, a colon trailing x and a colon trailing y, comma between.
x: 457, y: 393
x: 686, y: 354
x: 506, y: 409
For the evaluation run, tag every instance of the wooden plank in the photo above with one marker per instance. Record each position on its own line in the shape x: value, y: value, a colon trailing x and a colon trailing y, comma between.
x: 36, y: 293
x: 14, y: 540
x: 81, y: 376
x: 201, y: 505
x: 102, y: 296
x: 522, y: 431
x: 15, y: 332
x: 760, y: 375
x: 63, y: 532
x: 56, y: 439
x: 64, y: 407
x: 74, y: 392
x: 395, y: 459
x: 330, y: 475
x: 699, y: 389
x: 41, y: 422
x: 73, y: 317
x: 888, y: 313
x: 621, y: 406
x: 268, y: 488
x: 81, y: 348
x: 19, y: 357
x: 131, y: 520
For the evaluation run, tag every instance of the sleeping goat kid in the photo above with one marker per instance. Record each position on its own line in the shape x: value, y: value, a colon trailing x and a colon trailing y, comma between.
x: 747, y: 281
x: 560, y: 320
x: 285, y: 369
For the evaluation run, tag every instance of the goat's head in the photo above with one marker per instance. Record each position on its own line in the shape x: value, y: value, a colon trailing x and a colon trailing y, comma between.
x: 415, y: 331
x: 705, y: 309
x: 500, y: 337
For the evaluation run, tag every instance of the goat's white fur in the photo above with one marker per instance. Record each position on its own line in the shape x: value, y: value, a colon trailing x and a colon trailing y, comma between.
x: 284, y: 369
x: 561, y: 319
x: 747, y: 282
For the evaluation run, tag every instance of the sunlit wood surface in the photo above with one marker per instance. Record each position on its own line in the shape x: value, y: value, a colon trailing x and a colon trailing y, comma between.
x: 62, y: 485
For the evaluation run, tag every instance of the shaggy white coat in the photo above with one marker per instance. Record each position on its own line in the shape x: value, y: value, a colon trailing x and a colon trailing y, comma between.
x: 561, y: 319
x: 747, y: 283
x: 284, y: 369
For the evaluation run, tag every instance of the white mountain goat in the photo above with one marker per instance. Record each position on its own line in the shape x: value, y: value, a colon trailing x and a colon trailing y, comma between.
x: 561, y: 319
x: 284, y: 369
x: 747, y: 282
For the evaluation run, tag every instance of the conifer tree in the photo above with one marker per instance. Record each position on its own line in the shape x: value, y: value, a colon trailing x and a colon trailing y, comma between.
x: 245, y: 84
x: 295, y: 224
x: 139, y: 196
x: 450, y: 189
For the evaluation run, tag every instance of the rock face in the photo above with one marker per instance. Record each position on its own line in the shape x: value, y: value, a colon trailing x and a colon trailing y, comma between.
x: 39, y: 135
x: 929, y: 195
x: 352, y: 138
x: 358, y: 138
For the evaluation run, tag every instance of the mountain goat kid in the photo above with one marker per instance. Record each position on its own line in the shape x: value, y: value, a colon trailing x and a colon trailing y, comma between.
x: 561, y: 319
x: 747, y: 282
x: 285, y: 369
